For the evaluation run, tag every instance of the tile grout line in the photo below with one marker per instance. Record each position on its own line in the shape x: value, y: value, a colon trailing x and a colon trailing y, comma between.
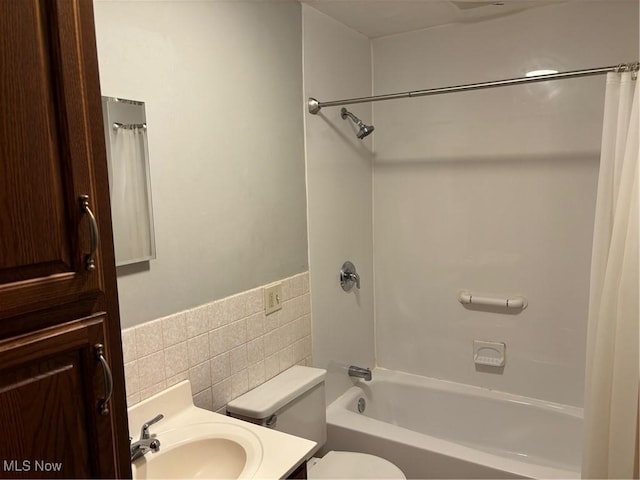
x: 289, y: 334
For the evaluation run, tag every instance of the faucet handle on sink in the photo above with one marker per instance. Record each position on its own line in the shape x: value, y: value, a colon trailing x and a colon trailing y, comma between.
x: 144, y: 433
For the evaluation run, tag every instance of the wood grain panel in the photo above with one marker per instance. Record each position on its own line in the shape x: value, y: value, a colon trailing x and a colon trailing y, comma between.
x: 50, y: 385
x: 52, y: 419
x: 33, y: 218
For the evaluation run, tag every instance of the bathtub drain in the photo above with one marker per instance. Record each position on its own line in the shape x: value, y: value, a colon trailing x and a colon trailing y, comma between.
x: 361, y: 405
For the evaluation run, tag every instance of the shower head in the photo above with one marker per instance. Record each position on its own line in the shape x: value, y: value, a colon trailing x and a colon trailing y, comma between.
x: 364, y: 129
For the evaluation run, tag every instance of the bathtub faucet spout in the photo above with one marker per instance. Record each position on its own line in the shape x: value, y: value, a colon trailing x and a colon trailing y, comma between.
x: 360, y: 372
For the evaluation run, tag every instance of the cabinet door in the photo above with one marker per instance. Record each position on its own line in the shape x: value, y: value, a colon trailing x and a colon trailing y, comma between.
x: 50, y: 138
x: 51, y: 388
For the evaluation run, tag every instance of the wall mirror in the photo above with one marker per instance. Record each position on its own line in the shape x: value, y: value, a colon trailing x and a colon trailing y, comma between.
x: 125, y: 128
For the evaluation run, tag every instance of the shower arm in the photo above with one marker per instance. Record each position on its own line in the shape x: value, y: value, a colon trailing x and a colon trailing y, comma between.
x: 345, y: 113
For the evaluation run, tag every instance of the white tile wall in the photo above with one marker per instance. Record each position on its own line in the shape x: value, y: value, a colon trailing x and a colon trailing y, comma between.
x: 449, y: 170
x: 338, y: 161
x: 224, y: 348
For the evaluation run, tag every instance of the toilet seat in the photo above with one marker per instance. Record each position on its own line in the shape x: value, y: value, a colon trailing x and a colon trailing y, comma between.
x: 343, y: 465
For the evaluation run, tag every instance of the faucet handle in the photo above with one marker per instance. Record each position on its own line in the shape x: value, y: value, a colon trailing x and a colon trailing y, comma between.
x: 349, y: 276
x: 356, y: 277
x: 144, y: 433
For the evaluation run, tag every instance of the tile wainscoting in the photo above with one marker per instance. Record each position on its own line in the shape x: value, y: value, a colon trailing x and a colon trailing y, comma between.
x: 225, y: 348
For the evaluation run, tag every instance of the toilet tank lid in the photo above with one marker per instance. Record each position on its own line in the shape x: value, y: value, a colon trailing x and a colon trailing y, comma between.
x: 274, y: 394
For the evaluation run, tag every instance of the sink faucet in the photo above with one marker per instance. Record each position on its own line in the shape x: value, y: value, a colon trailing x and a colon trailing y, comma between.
x: 146, y: 443
x: 360, y: 372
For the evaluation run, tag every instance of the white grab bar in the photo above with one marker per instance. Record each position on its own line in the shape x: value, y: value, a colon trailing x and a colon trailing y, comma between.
x: 467, y: 298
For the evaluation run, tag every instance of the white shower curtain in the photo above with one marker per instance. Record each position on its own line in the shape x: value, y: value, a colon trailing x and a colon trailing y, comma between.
x: 612, y: 368
x: 129, y: 199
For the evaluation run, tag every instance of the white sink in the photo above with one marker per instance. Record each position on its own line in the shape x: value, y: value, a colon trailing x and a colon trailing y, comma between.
x: 197, y: 443
x: 205, y: 450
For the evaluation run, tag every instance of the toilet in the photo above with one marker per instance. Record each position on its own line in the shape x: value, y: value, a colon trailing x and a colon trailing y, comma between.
x: 294, y: 402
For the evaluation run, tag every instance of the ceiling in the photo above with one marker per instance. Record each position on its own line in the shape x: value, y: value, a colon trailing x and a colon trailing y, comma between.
x: 378, y: 18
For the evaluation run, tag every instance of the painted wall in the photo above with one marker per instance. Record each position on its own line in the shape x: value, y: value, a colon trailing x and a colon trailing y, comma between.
x: 493, y: 192
x: 337, y: 64
x: 222, y: 82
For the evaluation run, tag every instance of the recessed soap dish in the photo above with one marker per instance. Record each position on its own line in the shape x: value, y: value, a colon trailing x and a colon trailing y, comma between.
x: 489, y: 353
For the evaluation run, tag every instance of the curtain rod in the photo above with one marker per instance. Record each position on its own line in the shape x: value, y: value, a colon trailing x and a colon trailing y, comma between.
x: 315, y: 106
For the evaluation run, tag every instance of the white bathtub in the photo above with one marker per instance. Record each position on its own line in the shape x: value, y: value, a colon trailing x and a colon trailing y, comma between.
x: 437, y: 429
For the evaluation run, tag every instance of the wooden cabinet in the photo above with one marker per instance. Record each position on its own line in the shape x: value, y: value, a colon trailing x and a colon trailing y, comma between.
x: 47, y: 160
x: 54, y: 310
x: 51, y: 392
x: 300, y: 473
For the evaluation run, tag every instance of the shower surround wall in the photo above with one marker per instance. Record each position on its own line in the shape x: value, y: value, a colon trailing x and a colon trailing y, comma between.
x: 492, y: 192
x: 337, y: 64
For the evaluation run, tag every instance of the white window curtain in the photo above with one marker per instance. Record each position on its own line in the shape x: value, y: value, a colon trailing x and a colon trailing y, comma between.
x: 612, y: 370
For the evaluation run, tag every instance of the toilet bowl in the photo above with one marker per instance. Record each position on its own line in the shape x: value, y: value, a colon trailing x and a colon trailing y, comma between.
x: 294, y: 402
x: 339, y: 465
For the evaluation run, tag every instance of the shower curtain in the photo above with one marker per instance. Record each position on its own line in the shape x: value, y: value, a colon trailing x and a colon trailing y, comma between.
x: 129, y: 199
x: 611, y: 383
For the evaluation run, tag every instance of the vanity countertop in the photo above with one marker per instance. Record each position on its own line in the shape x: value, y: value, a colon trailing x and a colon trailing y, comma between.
x: 281, y: 452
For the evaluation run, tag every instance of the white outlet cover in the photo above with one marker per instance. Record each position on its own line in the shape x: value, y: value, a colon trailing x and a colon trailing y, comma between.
x: 272, y: 298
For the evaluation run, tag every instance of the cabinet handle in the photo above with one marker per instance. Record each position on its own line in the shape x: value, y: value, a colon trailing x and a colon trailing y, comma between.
x: 108, y: 379
x: 89, y: 259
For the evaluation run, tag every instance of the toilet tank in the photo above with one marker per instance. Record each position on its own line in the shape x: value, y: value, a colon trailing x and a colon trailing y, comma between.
x: 292, y: 402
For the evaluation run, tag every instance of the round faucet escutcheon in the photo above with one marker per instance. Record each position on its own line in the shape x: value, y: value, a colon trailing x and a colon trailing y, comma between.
x: 349, y: 277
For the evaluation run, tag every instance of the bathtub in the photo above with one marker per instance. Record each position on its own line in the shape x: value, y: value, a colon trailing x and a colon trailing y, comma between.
x: 437, y: 429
